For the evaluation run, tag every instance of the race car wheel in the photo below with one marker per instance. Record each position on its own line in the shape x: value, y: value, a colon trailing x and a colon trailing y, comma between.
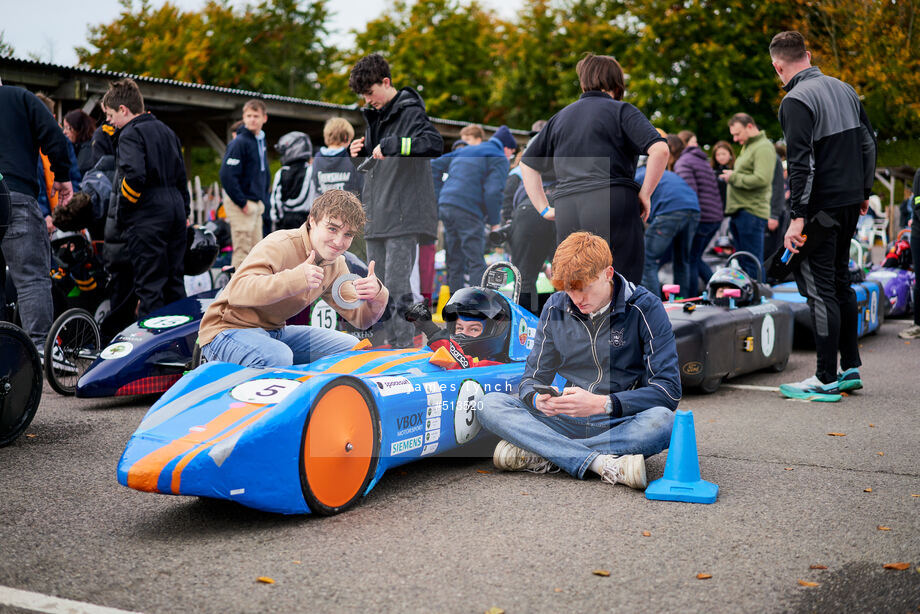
x: 710, y: 384
x: 197, y: 357
x: 779, y: 367
x: 339, y: 448
x: 73, y: 344
x: 20, y: 382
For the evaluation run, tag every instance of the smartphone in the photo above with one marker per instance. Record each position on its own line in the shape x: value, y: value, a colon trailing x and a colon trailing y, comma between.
x: 541, y: 389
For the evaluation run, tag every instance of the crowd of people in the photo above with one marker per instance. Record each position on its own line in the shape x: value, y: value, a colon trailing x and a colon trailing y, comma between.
x: 619, y: 197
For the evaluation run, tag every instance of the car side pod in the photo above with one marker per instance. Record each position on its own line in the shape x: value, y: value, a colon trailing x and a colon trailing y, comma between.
x: 681, y: 481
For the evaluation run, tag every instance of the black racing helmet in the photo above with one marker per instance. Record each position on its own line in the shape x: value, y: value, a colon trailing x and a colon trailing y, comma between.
x: 732, y: 277
x: 294, y: 147
x: 487, y: 306
x: 200, y: 250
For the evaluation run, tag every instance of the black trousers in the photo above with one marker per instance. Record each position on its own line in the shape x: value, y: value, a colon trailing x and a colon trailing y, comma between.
x: 533, y: 241
x: 611, y: 213
x: 5, y: 206
x: 823, y: 278
x: 156, y: 243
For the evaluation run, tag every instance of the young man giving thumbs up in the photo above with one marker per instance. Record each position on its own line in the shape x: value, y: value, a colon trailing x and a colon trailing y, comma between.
x: 283, y: 274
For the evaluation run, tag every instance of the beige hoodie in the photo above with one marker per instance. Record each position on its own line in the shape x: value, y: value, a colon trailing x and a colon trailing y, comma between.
x: 271, y: 286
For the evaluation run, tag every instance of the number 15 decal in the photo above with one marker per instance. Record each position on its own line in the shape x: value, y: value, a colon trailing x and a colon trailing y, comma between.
x: 264, y: 391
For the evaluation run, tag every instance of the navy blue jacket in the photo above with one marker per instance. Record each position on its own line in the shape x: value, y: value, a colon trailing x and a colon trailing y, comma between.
x: 26, y: 125
x: 632, y: 357
x: 334, y: 171
x: 671, y: 194
x: 241, y: 172
x: 475, y: 179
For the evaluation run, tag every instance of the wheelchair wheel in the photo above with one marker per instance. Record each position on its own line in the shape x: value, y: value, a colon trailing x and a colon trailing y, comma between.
x: 340, y: 447
x: 73, y: 344
x: 20, y: 382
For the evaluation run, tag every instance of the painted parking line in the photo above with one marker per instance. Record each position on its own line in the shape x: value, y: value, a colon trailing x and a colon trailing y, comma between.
x: 36, y: 602
x: 752, y: 387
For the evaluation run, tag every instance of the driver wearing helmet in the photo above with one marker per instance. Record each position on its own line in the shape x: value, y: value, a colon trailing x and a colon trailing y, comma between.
x: 726, y: 278
x: 478, y: 321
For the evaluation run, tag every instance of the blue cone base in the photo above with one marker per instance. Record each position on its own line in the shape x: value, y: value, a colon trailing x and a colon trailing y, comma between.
x: 700, y: 491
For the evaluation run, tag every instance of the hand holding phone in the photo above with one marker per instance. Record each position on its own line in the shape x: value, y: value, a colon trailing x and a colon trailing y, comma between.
x: 550, y: 390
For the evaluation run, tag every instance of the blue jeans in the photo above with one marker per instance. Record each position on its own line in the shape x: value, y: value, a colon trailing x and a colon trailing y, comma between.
x: 699, y: 270
x: 747, y: 235
x: 282, y: 347
x: 676, y: 228
x: 27, y: 250
x: 573, y: 443
x: 464, y: 242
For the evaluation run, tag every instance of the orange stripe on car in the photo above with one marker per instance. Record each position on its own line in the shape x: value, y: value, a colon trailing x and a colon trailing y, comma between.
x: 177, y: 471
x: 144, y: 474
x: 394, y: 363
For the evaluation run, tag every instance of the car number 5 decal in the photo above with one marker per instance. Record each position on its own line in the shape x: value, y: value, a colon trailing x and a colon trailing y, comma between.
x: 264, y: 391
x: 466, y: 418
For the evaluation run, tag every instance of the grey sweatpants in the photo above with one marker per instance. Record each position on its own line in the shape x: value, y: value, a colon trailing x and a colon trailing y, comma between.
x: 394, y: 258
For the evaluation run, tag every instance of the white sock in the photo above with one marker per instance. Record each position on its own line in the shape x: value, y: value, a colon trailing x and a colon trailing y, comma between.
x: 597, y: 465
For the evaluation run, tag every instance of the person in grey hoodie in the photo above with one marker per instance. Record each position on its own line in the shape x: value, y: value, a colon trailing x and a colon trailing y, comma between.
x: 693, y: 167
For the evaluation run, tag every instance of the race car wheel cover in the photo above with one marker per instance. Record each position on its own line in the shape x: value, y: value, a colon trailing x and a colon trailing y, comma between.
x: 20, y: 382
x: 339, y: 448
x: 85, y: 328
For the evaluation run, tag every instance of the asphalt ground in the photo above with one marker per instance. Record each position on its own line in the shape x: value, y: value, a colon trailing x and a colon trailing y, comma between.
x: 454, y: 535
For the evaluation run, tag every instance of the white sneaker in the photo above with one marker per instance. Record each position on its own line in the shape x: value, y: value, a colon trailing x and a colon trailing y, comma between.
x: 628, y: 470
x: 509, y: 457
x: 911, y: 332
x: 60, y: 363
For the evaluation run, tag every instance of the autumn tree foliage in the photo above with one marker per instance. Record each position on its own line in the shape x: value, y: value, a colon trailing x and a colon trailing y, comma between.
x: 875, y: 47
x: 276, y: 46
x: 689, y: 63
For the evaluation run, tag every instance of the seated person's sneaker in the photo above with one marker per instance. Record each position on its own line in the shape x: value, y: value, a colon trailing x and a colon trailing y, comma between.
x: 509, y: 457
x: 812, y: 389
x: 849, y: 380
x: 911, y: 332
x: 628, y: 470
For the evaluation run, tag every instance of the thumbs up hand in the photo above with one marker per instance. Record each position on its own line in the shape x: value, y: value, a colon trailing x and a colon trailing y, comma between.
x: 314, y: 274
x: 368, y: 287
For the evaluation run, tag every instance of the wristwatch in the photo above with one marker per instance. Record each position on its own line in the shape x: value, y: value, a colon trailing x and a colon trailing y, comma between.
x: 608, y: 406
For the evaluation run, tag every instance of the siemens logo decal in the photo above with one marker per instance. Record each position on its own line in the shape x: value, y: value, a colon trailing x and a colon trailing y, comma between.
x: 404, y: 445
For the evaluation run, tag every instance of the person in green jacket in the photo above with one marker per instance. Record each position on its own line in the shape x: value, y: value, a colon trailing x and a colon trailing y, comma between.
x: 750, y: 186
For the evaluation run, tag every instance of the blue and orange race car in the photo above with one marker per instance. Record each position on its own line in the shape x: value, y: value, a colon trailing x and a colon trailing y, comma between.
x: 314, y: 438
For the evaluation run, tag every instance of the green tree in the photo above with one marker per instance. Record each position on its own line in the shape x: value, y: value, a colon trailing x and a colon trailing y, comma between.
x: 696, y: 63
x: 6, y: 49
x: 536, y: 77
x: 274, y: 47
x: 875, y: 47
x: 444, y: 49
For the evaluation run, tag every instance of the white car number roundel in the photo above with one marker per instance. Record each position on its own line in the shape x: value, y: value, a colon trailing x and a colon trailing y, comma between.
x: 323, y: 316
x: 264, y: 391
x: 466, y: 418
x: 767, y: 335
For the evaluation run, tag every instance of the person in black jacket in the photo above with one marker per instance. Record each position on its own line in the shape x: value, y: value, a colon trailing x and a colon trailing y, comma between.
x: 26, y: 126
x: 246, y: 179
x: 398, y: 189
x: 831, y: 149
x: 151, y: 197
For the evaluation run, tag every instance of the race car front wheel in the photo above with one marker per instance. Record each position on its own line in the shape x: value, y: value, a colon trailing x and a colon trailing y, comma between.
x: 72, y: 345
x: 20, y: 382
x: 339, y: 448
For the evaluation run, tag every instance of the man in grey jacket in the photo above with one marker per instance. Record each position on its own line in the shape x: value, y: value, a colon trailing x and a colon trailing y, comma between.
x: 617, y: 406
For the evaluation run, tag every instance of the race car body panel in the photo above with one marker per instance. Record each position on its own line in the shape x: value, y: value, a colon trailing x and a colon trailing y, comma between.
x: 898, y: 287
x: 310, y: 438
x: 869, y: 318
x: 717, y: 342
x: 150, y: 355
